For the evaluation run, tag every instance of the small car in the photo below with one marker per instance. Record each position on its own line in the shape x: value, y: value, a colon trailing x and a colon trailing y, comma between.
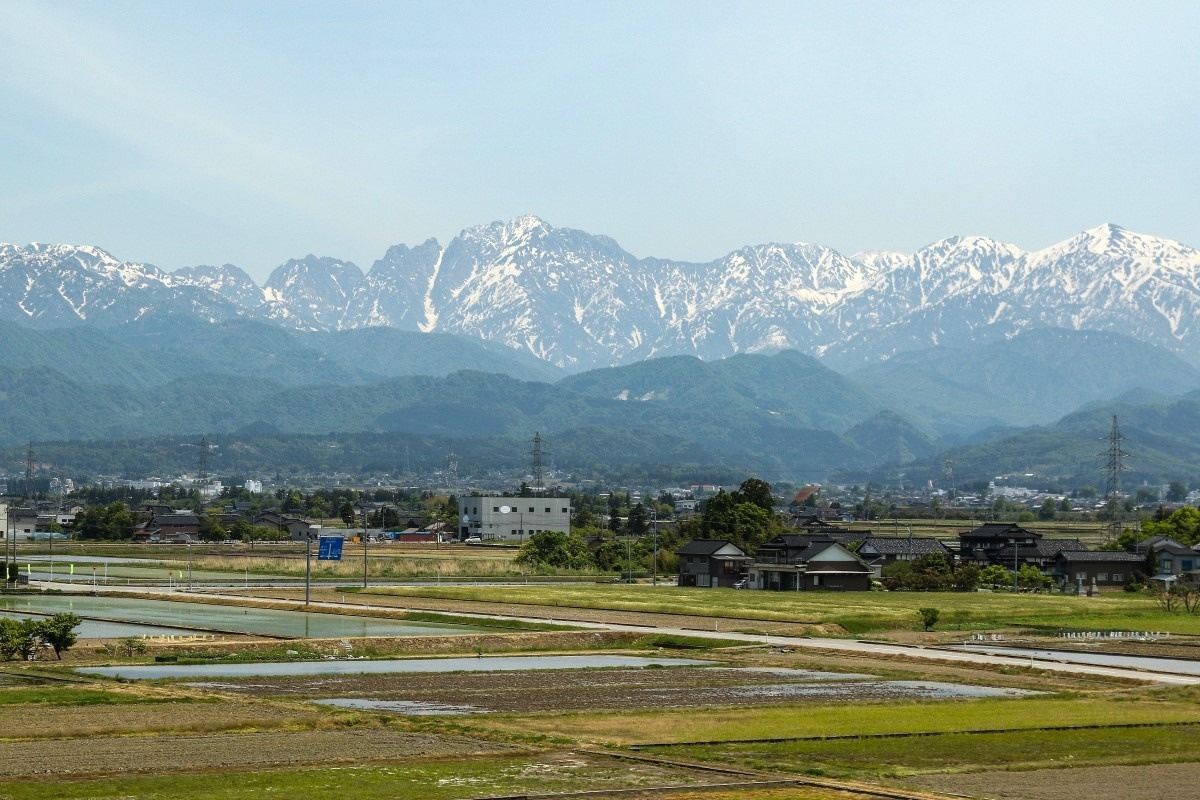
x: 740, y: 584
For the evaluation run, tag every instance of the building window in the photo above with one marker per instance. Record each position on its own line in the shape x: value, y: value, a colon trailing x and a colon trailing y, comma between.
x: 1117, y: 577
x: 547, y: 510
x: 531, y: 510
x: 1102, y: 577
x: 496, y: 509
x: 1080, y: 577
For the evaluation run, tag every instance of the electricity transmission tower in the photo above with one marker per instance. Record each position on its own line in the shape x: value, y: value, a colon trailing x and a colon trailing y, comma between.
x: 29, y: 472
x: 535, y: 465
x: 202, y: 467
x: 1115, y: 456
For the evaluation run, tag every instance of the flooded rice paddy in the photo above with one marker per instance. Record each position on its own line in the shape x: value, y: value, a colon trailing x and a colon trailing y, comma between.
x: 552, y: 683
x: 392, y: 666
x: 150, y: 616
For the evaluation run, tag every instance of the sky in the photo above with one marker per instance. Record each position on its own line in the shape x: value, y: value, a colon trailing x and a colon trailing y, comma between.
x: 210, y: 132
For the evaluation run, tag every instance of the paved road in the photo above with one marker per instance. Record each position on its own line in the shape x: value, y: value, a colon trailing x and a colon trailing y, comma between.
x: 1061, y: 662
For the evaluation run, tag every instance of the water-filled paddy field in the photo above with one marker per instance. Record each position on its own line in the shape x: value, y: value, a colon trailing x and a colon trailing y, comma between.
x: 207, y: 617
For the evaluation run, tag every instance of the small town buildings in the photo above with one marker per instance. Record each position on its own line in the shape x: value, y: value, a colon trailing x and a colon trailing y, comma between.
x: 511, y: 518
x: 879, y: 551
x: 295, y: 527
x: 1175, y: 560
x: 1040, y: 554
x: 1095, y: 567
x: 711, y: 563
x: 175, y: 526
x: 982, y: 545
x: 802, y: 562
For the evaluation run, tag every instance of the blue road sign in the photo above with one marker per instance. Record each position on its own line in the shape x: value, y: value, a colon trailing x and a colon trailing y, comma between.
x: 330, y: 548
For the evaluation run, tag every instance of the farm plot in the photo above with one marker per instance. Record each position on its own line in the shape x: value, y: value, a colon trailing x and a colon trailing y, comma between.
x: 568, y: 690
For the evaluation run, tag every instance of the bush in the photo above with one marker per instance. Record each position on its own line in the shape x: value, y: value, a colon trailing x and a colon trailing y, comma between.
x: 929, y: 617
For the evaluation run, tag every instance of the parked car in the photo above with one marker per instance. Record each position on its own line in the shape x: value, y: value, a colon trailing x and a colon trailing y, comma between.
x: 740, y: 584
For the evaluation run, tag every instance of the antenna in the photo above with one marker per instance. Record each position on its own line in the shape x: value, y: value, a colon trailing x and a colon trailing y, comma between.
x: 1116, y: 457
x: 535, y: 467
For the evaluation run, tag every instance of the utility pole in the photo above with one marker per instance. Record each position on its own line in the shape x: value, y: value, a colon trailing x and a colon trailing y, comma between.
x: 654, y: 527
x: 364, y: 547
x: 307, y: 567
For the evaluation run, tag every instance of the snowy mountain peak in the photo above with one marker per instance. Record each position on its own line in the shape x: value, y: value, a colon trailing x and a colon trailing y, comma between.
x: 579, y: 300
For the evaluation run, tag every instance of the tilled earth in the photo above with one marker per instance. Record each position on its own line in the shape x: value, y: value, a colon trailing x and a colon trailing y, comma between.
x: 1149, y: 782
x: 570, y: 690
x: 171, y: 753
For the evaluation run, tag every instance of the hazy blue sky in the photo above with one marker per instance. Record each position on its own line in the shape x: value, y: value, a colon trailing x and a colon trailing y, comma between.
x: 182, y: 133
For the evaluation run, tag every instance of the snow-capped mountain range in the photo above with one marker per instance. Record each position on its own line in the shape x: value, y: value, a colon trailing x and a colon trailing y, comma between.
x: 579, y: 301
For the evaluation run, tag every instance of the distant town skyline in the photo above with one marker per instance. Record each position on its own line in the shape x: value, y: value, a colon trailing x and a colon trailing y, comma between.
x: 251, y: 132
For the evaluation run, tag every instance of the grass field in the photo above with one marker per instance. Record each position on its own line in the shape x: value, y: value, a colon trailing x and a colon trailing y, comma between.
x: 859, y: 613
x: 854, y: 719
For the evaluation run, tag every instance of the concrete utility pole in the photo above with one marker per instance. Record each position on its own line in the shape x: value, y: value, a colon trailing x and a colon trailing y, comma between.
x: 307, y: 567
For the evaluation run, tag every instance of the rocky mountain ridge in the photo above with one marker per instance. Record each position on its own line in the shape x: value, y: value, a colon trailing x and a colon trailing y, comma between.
x: 580, y: 301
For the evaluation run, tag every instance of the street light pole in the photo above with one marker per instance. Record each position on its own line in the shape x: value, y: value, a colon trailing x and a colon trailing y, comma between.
x: 307, y: 567
x: 654, y: 526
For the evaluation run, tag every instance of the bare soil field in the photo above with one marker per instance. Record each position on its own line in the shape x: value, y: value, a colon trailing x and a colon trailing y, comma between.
x: 47, y: 721
x: 1149, y: 782
x: 577, y: 690
x: 219, y: 751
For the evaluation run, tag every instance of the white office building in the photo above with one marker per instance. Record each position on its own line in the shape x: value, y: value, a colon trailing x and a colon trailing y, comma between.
x: 492, y: 519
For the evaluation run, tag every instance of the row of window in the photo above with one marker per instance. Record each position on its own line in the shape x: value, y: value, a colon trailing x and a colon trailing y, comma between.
x: 532, y: 510
x: 1102, y: 577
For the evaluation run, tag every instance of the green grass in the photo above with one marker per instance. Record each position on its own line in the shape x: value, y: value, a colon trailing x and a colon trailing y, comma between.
x: 859, y: 613
x: 774, y: 722
x: 956, y: 752
x: 71, y: 696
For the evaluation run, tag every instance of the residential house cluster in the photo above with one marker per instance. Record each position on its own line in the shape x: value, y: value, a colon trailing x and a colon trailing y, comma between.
x: 821, y: 556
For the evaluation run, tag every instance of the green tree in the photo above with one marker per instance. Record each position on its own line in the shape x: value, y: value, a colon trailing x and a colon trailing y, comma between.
x: 1146, y: 495
x: 211, y: 529
x: 995, y: 576
x: 347, y: 513
x: 59, y: 632
x: 1032, y: 578
x: 1183, y: 526
x: 1176, y: 492
x: 929, y: 617
x: 1048, y: 510
x: 555, y: 549
x: 757, y: 492
x: 637, y: 524
x: 20, y: 638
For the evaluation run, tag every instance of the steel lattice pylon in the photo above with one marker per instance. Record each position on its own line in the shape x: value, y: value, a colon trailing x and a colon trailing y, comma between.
x: 1115, y: 455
